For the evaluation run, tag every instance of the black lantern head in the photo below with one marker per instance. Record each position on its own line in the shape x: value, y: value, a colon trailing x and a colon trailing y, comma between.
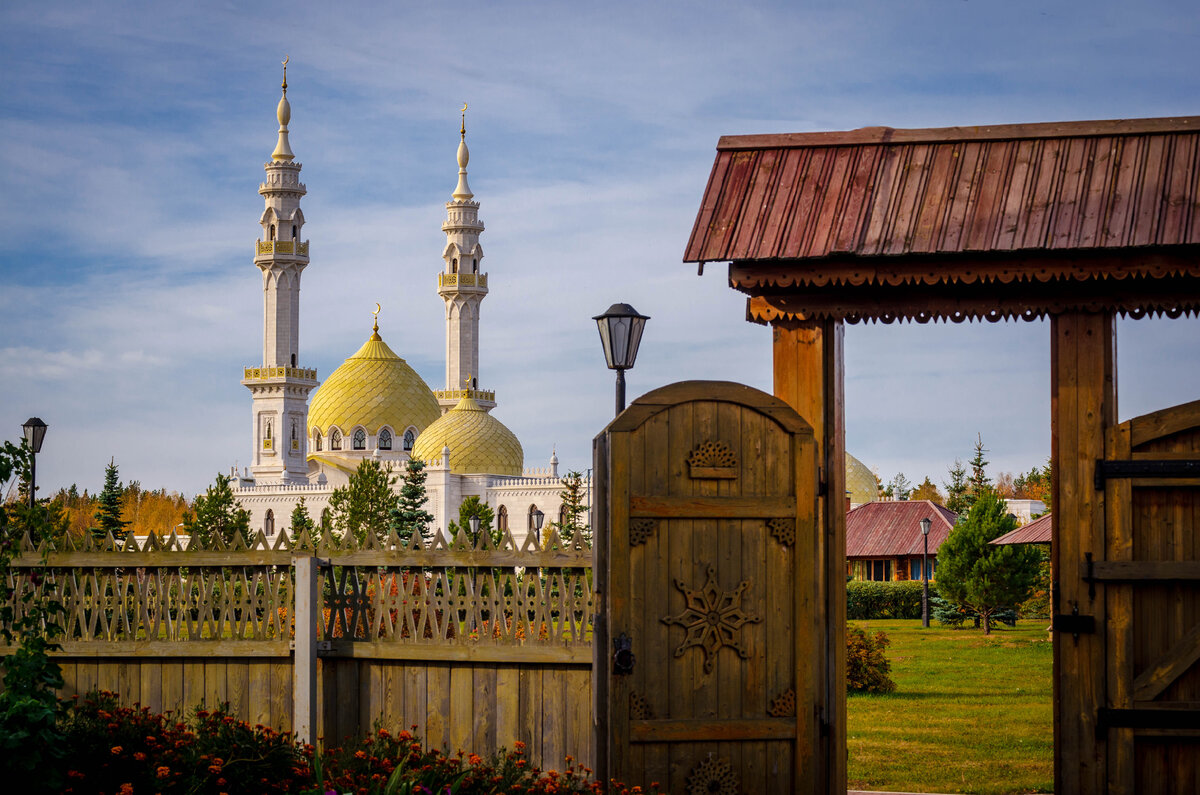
x: 35, y: 432
x: 538, y: 518
x: 474, y: 522
x: 925, y: 523
x: 620, y: 334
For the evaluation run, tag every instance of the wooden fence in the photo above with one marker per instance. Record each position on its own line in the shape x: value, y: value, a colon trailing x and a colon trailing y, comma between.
x: 476, y: 645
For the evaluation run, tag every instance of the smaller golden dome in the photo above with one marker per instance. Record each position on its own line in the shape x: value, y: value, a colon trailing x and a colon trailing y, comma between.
x: 860, y: 482
x: 479, y: 443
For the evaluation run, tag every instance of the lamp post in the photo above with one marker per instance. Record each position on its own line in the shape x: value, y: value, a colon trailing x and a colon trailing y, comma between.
x: 620, y: 334
x: 925, y: 573
x: 538, y: 517
x: 473, y: 520
x: 35, y: 432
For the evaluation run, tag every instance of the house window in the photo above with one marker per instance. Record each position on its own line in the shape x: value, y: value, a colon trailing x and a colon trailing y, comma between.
x: 335, y: 439
x: 359, y: 440
x: 410, y: 439
x: 316, y: 440
x: 385, y: 439
x: 502, y: 518
x: 879, y: 570
x: 269, y: 523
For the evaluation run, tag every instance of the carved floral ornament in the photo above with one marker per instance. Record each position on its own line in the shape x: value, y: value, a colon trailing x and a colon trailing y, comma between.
x: 712, y: 618
x: 712, y: 777
x: 712, y: 460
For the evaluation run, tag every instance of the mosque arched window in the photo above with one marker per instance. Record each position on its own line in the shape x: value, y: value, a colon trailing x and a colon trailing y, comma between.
x: 269, y: 523
x: 410, y: 438
x: 272, y: 231
x: 562, y: 516
x: 316, y: 440
x: 502, y: 518
x: 533, y: 528
x: 385, y: 439
x: 335, y: 439
x: 359, y: 440
x: 474, y: 266
x: 454, y: 265
x: 293, y: 231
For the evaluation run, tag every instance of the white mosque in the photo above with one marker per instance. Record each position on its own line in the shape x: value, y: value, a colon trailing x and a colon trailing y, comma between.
x: 374, y: 405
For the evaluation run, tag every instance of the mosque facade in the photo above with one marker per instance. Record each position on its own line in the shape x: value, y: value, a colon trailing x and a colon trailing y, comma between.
x: 375, y: 405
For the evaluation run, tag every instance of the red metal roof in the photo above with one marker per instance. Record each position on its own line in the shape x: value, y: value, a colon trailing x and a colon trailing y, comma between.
x: 893, y: 529
x: 1036, y: 532
x: 884, y: 192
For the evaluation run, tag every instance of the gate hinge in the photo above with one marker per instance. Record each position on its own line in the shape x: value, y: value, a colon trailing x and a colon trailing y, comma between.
x: 1074, y: 624
x: 1145, y: 468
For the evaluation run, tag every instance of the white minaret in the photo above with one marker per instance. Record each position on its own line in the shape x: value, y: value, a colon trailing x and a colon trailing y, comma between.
x: 280, y: 386
x: 462, y: 285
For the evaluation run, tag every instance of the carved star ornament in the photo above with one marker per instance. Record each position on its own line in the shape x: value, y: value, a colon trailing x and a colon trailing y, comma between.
x: 712, y: 618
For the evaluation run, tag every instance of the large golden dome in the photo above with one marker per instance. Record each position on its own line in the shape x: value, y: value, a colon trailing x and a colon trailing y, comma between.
x: 860, y: 482
x: 479, y: 443
x: 373, y: 388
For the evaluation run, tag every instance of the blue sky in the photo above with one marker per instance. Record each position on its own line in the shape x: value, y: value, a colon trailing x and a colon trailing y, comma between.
x: 132, y: 138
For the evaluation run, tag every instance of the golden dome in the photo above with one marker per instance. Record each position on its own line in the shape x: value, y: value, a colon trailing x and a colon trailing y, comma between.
x: 860, y: 482
x: 373, y: 388
x: 479, y: 443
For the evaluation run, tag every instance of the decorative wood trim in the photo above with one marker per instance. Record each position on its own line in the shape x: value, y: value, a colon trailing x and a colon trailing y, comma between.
x: 783, y: 529
x: 639, y: 707
x: 640, y: 530
x: 783, y: 705
x: 712, y: 618
x: 712, y: 777
x: 712, y: 460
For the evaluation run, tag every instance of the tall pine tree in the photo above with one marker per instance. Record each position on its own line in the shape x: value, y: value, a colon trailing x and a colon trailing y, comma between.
x: 409, y: 516
x: 574, y: 527
x: 301, y: 521
x: 979, y: 482
x: 956, y: 489
x: 217, y: 514
x: 365, y: 504
x: 108, y: 512
x: 473, y: 506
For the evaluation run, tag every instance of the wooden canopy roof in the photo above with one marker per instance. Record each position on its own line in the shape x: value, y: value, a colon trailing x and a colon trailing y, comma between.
x: 960, y: 222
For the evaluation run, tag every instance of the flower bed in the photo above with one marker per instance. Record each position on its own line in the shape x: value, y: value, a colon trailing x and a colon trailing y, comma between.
x: 117, y: 750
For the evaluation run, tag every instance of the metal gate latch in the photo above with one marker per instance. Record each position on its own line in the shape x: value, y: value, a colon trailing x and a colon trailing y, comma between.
x: 623, y: 658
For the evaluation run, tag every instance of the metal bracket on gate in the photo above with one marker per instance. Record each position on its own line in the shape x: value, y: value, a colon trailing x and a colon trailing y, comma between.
x: 1074, y: 624
x: 1145, y: 468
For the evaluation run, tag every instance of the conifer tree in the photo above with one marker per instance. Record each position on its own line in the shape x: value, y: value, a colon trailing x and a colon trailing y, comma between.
x: 928, y: 490
x: 956, y: 489
x: 473, y: 506
x: 217, y: 514
x: 574, y: 525
x: 108, y: 512
x: 365, y: 504
x: 979, y: 482
x: 410, y: 515
x: 973, y: 573
x: 301, y: 521
x: 900, y: 488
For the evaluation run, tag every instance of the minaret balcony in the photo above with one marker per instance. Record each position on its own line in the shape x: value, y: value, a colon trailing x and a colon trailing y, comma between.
x: 478, y: 395
x: 470, y: 281
x: 291, y: 247
x: 269, y: 373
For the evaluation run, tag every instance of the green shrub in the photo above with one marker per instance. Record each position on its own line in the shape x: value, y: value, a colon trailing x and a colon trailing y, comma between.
x: 866, y: 601
x: 867, y: 668
x: 953, y: 615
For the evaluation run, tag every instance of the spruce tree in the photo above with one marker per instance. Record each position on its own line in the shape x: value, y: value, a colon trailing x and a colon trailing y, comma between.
x: 108, y: 512
x: 900, y: 487
x: 574, y: 527
x: 301, y: 521
x: 365, y: 504
x: 473, y: 506
x: 978, y: 575
x: 217, y: 514
x: 956, y: 489
x: 410, y: 515
x: 979, y: 482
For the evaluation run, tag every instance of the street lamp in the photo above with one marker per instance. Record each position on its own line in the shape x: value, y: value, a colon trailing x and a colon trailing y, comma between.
x: 620, y: 334
x: 35, y: 432
x: 925, y: 573
x: 473, y: 520
x: 538, y: 517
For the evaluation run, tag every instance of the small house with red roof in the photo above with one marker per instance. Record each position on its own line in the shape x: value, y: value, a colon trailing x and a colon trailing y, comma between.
x: 1036, y: 532
x: 884, y: 541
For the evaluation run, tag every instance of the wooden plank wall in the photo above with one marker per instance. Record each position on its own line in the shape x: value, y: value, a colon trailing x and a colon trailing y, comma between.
x: 469, y: 706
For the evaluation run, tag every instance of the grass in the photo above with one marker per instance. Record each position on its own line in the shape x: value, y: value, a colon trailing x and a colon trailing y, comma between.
x: 970, y: 714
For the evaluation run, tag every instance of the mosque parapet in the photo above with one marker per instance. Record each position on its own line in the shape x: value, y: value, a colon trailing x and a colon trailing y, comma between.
x: 478, y: 280
x: 481, y: 395
x: 281, y: 247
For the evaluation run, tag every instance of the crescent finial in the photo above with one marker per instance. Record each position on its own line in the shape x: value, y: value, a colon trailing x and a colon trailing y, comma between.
x: 286, y: 58
x: 377, y: 307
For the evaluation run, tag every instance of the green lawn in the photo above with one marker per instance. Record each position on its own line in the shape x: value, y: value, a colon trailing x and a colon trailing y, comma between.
x: 970, y: 714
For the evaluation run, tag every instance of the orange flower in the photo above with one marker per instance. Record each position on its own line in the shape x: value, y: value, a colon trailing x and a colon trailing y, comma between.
x: 126, y: 789
x: 139, y: 756
x: 360, y: 754
x: 116, y: 750
x: 163, y: 772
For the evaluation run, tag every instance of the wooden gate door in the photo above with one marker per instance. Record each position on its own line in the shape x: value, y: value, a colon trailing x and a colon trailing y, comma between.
x: 1148, y: 579
x: 710, y: 641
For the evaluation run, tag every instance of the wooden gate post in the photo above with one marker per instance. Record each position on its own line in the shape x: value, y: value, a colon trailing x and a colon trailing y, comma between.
x: 1083, y: 406
x: 304, y: 668
x: 808, y: 369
